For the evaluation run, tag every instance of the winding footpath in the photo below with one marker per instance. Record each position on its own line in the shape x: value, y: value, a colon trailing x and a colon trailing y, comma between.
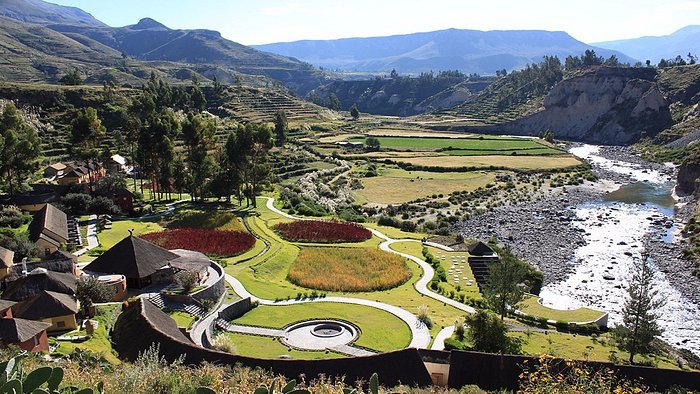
x: 420, y: 334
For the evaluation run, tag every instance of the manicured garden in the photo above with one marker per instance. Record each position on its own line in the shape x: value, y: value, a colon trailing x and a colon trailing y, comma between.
x: 322, y: 231
x: 348, y: 269
x: 380, y: 331
x: 532, y: 307
x: 208, y: 241
x: 268, y: 347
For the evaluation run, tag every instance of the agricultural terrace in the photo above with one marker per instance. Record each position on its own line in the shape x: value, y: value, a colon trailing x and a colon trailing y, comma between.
x: 482, y: 145
x: 348, y: 269
x: 208, y: 241
x: 322, y: 231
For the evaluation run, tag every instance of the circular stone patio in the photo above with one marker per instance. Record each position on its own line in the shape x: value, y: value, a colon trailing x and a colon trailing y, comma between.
x: 320, y: 334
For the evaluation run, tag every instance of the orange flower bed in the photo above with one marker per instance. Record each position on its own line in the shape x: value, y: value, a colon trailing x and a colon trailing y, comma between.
x: 348, y: 269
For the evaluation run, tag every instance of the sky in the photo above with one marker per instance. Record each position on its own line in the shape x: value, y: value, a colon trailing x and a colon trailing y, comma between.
x: 266, y: 21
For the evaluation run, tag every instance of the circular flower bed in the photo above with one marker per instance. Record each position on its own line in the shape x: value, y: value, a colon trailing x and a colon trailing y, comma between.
x: 348, y: 269
x: 325, y: 231
x: 207, y: 241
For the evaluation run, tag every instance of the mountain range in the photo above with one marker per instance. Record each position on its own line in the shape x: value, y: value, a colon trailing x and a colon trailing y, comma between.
x: 681, y: 42
x: 470, y: 51
x: 41, y: 41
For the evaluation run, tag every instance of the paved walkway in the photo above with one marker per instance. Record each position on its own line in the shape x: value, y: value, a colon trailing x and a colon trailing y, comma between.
x: 352, y: 351
x: 439, y: 342
x: 267, y: 332
x: 93, y: 242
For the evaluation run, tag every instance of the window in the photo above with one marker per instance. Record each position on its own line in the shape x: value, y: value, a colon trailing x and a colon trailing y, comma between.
x: 36, y: 340
x: 60, y: 324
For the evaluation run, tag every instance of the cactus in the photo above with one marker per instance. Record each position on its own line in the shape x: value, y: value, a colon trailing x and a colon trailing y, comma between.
x: 275, y: 388
x: 14, y: 381
x: 373, y: 386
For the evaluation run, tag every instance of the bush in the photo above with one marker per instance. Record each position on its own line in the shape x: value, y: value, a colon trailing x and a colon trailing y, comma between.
x: 103, y: 205
x: 186, y: 280
x: 76, y: 203
x: 454, y: 344
x: 13, y: 218
x: 424, y: 317
x: 224, y: 343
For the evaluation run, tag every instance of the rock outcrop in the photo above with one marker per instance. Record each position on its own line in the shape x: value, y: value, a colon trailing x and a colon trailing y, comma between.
x: 615, y: 106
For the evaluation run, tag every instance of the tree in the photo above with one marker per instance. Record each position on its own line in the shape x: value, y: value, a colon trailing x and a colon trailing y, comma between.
x: 86, y: 133
x: 373, y: 143
x: 199, y: 135
x: 503, y: 290
x: 73, y: 78
x: 90, y: 290
x: 19, y: 147
x: 394, y: 74
x: 488, y: 334
x: 256, y: 143
x: 187, y: 280
x: 354, y: 112
x: 639, y: 314
x: 333, y: 102
x: 281, y: 126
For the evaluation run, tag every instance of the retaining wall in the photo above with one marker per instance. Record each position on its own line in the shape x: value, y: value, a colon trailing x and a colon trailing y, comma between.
x: 216, y: 290
x: 236, y: 310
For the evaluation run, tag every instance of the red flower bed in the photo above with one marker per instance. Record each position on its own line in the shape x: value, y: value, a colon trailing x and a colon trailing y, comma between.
x: 322, y: 231
x: 207, y: 241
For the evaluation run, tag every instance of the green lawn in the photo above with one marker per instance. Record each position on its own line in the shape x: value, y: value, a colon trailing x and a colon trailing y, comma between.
x: 542, y: 151
x: 99, y: 343
x: 266, y: 347
x: 120, y: 230
x: 577, y: 347
x: 490, y: 143
x: 183, y: 319
x: 380, y: 330
x: 532, y: 307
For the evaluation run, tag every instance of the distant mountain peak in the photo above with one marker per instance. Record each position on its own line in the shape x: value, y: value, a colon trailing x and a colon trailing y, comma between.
x: 148, y: 24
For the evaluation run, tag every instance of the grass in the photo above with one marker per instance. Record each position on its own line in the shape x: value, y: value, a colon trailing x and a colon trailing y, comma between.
x: 520, y: 162
x: 183, y: 319
x: 99, y: 343
x: 120, y: 230
x: 348, y: 269
x: 396, y: 186
x: 266, y: 347
x: 490, y: 143
x: 577, y: 347
x: 532, y: 307
x: 206, y: 218
x: 380, y: 330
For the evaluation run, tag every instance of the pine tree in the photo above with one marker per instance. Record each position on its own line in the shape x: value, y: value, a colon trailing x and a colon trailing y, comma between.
x: 281, y: 126
x: 502, y: 290
x: 639, y: 314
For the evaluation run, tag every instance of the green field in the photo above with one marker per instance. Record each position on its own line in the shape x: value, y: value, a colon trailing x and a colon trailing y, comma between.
x: 380, y: 330
x: 396, y: 186
x: 532, y: 307
x: 267, y: 347
x: 489, y: 144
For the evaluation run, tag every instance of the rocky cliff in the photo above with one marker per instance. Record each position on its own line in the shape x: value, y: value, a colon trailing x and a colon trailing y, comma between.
x: 616, y: 106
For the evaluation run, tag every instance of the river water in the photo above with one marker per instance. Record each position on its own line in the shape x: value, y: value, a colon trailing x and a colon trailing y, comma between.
x: 613, y: 229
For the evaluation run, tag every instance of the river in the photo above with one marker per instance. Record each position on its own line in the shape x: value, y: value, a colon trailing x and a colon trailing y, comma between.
x: 613, y: 229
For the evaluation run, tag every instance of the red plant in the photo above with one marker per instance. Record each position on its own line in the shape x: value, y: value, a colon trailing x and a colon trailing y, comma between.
x: 322, y: 231
x: 207, y: 241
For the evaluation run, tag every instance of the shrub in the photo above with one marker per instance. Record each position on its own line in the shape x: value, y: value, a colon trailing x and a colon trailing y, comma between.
x: 13, y: 218
x: 322, y: 231
x: 423, y: 316
x: 208, y: 241
x: 452, y: 343
x: 186, y: 280
x: 224, y: 343
x: 348, y: 269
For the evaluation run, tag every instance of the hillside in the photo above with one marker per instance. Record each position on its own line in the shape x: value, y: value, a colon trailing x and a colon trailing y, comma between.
x: 43, y: 13
x: 469, y: 51
x: 402, y: 96
x: 654, y: 48
x: 40, y: 42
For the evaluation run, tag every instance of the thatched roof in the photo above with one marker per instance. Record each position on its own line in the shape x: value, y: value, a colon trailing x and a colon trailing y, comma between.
x: 46, y: 304
x: 479, y: 248
x: 191, y: 261
x: 4, y: 304
x: 20, y: 330
x: 6, y: 257
x: 132, y: 257
x: 34, y: 283
x: 49, y: 218
x: 61, y: 255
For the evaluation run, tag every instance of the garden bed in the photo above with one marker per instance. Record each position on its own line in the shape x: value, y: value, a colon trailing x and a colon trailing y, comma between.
x: 348, y: 269
x: 208, y: 241
x: 323, y: 231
